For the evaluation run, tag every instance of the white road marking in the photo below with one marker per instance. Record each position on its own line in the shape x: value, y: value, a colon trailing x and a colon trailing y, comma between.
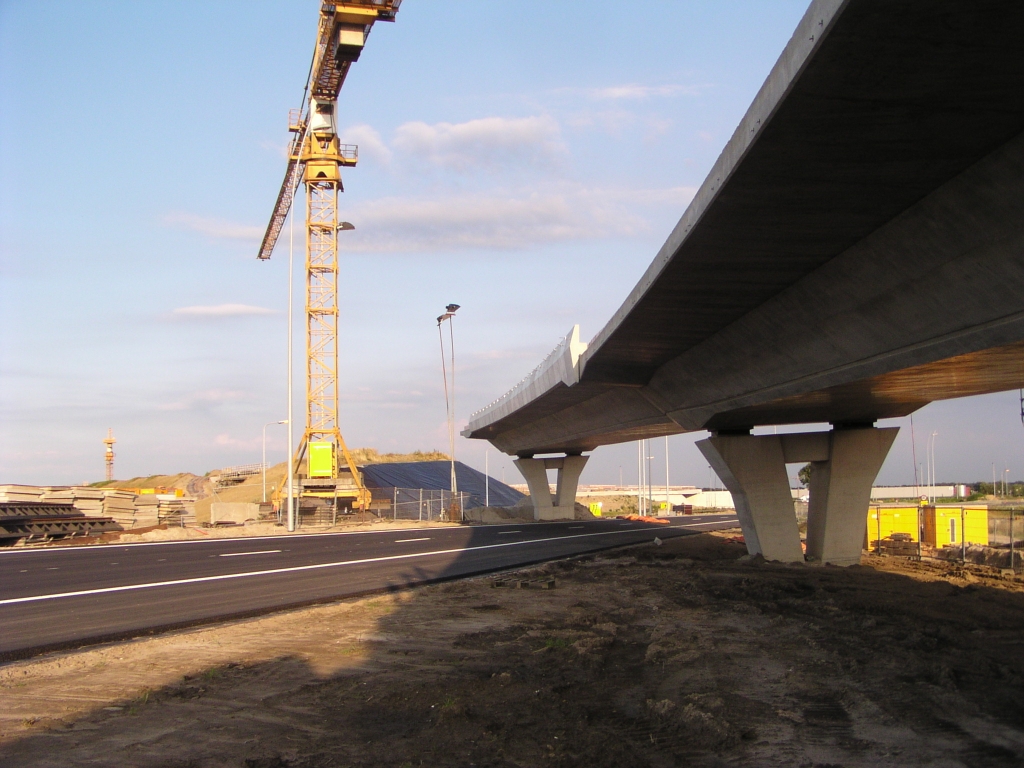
x: 405, y: 541
x: 217, y: 540
x: 7, y: 552
x: 297, y: 568
x: 575, y: 527
x: 258, y: 552
x: 506, y: 533
x: 55, y: 568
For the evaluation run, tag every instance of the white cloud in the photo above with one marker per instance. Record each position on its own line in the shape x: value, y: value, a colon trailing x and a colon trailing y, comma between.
x: 369, y: 141
x: 225, y: 440
x: 506, y: 221
x: 639, y: 92
x: 223, y: 310
x: 213, y: 227
x: 487, y: 143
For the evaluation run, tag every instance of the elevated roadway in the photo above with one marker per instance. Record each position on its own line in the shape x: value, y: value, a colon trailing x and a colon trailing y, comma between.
x: 856, y: 252
x: 68, y: 596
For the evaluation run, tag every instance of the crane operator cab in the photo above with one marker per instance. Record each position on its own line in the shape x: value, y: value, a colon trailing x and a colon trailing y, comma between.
x: 323, y: 154
x: 321, y: 120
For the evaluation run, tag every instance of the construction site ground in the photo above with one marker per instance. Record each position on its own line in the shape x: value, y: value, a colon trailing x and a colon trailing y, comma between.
x: 681, y: 654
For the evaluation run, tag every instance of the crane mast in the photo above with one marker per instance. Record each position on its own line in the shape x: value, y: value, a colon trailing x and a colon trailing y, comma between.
x: 315, y: 159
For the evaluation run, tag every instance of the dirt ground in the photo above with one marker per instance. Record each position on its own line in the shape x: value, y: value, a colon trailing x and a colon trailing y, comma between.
x: 681, y: 654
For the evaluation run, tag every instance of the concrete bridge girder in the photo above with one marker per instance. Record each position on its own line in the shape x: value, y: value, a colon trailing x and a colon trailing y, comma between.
x: 844, y: 464
x: 562, y: 504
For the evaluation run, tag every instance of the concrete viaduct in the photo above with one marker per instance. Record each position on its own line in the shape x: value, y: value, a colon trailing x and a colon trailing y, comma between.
x: 856, y: 252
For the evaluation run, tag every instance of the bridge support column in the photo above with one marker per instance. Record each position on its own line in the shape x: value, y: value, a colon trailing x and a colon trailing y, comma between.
x: 844, y: 464
x: 753, y: 468
x: 840, y: 492
x: 562, y: 504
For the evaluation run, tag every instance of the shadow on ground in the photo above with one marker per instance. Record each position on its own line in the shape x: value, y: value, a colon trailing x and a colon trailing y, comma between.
x: 648, y: 656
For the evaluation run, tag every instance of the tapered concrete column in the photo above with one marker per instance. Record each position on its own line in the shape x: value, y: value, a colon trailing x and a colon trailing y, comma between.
x: 562, y: 504
x: 840, y: 492
x: 753, y: 468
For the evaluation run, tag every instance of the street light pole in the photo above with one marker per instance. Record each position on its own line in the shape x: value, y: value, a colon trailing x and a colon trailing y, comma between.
x: 283, y: 421
x: 290, y: 519
x: 449, y: 402
x: 668, y: 501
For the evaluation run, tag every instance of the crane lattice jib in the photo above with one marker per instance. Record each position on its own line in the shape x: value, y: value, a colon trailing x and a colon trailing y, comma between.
x: 284, y: 204
x: 331, y: 61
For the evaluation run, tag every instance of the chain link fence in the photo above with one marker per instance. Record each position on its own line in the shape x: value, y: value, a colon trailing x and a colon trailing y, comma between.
x: 420, y: 504
x: 963, y: 533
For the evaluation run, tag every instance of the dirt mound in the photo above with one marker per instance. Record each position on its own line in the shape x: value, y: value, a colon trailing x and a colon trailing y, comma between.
x: 371, y: 456
x: 180, y: 481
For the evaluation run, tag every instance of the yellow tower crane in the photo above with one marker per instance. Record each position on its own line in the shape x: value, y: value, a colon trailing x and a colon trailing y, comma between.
x: 315, y: 158
x: 108, y: 455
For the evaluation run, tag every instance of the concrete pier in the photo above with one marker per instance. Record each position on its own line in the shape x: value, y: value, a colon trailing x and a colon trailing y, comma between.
x: 561, y: 505
x: 844, y: 464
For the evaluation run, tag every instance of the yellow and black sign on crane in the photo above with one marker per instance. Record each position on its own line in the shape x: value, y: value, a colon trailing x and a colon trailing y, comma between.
x: 315, y: 159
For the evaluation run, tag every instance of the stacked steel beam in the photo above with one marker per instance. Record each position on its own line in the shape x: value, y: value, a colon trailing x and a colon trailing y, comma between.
x: 29, y: 521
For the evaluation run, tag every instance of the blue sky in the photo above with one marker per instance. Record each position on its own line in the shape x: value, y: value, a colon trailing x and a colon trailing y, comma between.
x: 522, y: 159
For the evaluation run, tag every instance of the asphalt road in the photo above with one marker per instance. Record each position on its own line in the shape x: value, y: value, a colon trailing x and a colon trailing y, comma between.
x: 64, y: 597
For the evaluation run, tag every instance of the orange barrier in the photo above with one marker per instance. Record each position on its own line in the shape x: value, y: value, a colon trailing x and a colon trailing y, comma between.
x: 643, y: 519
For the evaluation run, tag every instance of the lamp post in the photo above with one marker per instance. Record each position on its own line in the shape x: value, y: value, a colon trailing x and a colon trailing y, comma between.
x: 283, y: 421
x: 668, y: 500
x: 449, y: 402
x: 290, y: 511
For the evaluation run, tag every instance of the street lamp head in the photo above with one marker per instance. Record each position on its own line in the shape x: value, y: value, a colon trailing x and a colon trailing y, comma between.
x: 451, y: 308
x: 345, y: 226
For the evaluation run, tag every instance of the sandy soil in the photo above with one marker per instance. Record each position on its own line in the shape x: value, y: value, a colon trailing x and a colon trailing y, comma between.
x: 655, y: 656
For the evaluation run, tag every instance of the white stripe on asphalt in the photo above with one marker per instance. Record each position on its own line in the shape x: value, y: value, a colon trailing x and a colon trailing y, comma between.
x: 292, y: 569
x: 6, y: 552
x: 506, y: 533
x: 405, y: 541
x: 258, y: 552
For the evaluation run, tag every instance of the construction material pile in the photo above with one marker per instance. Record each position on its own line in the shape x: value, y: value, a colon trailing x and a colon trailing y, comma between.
x: 16, y: 493
x: 157, y: 509
x: 118, y: 505
x: 35, y: 521
x: 124, y: 507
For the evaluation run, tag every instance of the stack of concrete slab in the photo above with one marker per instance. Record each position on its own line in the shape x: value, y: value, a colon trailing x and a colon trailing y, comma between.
x: 86, y: 500
x: 176, y: 511
x: 97, y: 502
x: 14, y: 493
x: 126, y: 508
x: 146, y: 511
x: 120, y: 505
